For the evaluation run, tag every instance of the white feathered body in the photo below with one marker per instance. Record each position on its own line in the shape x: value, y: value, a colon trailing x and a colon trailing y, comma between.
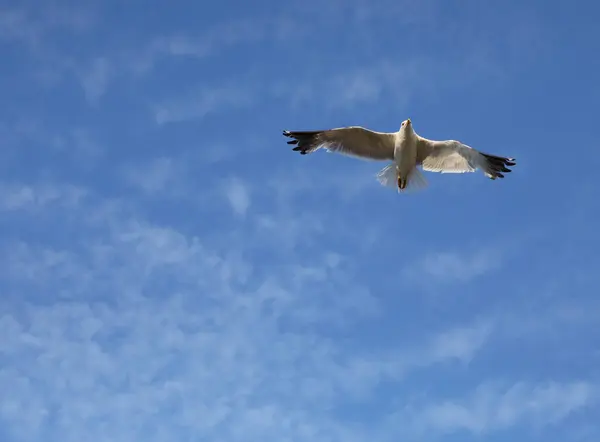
x: 405, y: 152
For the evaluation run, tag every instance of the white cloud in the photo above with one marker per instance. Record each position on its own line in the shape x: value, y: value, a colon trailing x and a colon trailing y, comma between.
x: 215, y: 39
x: 205, y: 102
x: 353, y: 86
x: 173, y: 176
x: 462, y: 343
x: 238, y: 195
x: 95, y: 78
x: 154, y: 176
x: 219, y: 36
x: 27, y: 197
x: 327, y: 88
x: 140, y: 331
x: 275, y: 27
x: 330, y: 91
x: 32, y: 27
x: 27, y: 135
x: 492, y: 408
x: 36, y: 31
x: 454, y: 267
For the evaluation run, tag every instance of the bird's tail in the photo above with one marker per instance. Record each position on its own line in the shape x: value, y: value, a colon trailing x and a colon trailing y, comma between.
x: 388, y: 177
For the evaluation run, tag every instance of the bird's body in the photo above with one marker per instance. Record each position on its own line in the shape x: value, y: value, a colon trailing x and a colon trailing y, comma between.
x: 405, y: 156
x: 406, y: 149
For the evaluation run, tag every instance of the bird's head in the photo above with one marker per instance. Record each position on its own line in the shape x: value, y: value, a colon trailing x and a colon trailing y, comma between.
x: 406, y: 125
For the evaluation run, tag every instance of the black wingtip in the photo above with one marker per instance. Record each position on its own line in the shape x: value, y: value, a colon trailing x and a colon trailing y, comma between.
x: 498, y: 166
x: 305, y: 141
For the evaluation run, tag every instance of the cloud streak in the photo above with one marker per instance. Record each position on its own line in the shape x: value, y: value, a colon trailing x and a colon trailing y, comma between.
x: 14, y: 197
x: 490, y: 407
x: 144, y: 321
x: 238, y: 196
x: 453, y: 267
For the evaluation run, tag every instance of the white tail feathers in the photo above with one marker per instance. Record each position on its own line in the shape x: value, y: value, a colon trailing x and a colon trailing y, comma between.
x: 388, y: 177
x: 416, y: 180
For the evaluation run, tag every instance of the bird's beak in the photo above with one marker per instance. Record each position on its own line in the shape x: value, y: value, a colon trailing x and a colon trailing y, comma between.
x: 408, y: 121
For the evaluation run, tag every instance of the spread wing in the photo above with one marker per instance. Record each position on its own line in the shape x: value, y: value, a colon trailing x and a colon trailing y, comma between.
x: 354, y: 141
x: 452, y: 156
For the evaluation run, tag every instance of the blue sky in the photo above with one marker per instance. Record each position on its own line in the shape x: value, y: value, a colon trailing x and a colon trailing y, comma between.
x: 171, y: 270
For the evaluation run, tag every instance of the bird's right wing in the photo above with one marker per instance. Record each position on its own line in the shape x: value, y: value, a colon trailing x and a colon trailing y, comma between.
x: 354, y: 141
x: 451, y: 156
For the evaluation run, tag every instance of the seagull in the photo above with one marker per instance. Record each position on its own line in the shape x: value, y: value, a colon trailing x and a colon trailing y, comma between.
x: 406, y: 149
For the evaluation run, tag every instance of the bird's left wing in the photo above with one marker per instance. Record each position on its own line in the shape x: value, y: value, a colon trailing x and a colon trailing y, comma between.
x: 451, y: 156
x: 355, y: 141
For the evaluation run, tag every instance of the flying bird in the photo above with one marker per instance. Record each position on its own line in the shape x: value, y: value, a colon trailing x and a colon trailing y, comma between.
x: 406, y: 149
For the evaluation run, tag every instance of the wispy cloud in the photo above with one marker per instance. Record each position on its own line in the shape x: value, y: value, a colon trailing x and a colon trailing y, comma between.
x: 334, y: 90
x: 38, y: 197
x: 95, y: 78
x: 155, y: 176
x: 462, y: 343
x: 453, y: 267
x: 31, y: 26
x: 350, y: 87
x: 151, y: 320
x: 238, y: 195
x: 327, y: 88
x: 28, y: 136
x: 491, y: 407
x: 204, y: 102
x: 171, y: 176
x: 245, y: 31
x: 95, y: 72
